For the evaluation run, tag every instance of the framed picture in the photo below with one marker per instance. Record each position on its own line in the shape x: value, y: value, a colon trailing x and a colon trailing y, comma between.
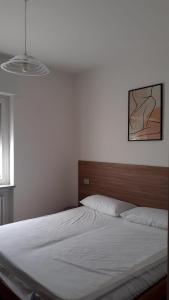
x: 145, y: 113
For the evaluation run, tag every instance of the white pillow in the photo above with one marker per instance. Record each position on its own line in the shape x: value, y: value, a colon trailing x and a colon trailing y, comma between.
x: 147, y: 216
x: 106, y: 205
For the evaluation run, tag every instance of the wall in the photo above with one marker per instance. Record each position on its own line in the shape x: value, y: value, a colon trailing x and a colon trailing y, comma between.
x: 44, y: 141
x: 62, y: 118
x: 102, y: 105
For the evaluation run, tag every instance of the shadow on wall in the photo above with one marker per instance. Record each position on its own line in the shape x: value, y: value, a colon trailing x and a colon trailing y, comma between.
x: 4, y: 57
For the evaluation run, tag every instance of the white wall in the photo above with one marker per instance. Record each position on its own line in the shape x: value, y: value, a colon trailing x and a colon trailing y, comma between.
x: 45, y: 151
x: 61, y: 118
x: 102, y: 100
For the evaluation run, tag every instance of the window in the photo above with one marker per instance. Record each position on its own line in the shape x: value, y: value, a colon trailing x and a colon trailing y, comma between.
x: 5, y: 139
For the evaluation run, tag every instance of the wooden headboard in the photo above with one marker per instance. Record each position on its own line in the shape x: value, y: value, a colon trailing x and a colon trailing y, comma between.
x: 142, y: 185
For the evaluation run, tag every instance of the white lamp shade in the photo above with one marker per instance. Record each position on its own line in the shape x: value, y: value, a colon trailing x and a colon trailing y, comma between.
x: 25, y: 65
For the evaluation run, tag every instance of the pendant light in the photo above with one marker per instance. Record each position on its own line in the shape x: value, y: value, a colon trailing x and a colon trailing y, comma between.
x: 25, y: 64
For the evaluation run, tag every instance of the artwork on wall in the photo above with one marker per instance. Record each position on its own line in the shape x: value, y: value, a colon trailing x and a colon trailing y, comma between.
x: 145, y: 113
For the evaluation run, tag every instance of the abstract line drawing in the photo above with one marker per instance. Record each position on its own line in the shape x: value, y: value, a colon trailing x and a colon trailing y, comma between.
x: 145, y: 113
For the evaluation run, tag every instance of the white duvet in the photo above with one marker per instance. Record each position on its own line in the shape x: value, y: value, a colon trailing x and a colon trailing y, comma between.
x: 79, y: 254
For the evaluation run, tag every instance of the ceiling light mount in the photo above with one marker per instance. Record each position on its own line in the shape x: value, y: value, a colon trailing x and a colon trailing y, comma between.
x: 25, y: 64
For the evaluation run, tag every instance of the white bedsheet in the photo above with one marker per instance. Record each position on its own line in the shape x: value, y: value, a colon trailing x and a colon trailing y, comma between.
x: 81, y: 254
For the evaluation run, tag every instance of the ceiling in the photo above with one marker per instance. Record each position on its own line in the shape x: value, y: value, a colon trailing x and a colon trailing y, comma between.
x: 80, y: 34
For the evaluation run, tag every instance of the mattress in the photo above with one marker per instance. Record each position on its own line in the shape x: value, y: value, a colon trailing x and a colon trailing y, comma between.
x: 81, y: 254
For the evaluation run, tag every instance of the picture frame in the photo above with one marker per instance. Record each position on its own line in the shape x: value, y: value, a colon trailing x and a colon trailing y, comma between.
x: 145, y: 112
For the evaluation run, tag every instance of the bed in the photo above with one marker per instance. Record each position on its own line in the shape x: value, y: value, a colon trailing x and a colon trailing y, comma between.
x: 68, y: 255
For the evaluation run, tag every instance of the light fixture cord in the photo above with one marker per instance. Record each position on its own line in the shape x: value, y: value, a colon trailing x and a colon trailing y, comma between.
x: 26, y: 27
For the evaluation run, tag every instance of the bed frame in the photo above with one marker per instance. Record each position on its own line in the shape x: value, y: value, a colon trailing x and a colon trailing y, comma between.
x: 141, y: 185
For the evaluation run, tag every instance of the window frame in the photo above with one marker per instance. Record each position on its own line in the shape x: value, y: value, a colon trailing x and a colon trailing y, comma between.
x: 6, y: 138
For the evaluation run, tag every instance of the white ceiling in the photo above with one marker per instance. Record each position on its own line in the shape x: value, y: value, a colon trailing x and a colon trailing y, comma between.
x: 80, y: 34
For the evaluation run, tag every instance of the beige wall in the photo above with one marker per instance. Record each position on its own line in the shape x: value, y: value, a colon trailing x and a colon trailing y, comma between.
x: 102, y: 101
x: 45, y: 151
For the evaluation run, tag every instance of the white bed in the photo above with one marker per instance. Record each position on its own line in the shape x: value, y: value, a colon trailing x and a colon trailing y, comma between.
x: 81, y: 254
